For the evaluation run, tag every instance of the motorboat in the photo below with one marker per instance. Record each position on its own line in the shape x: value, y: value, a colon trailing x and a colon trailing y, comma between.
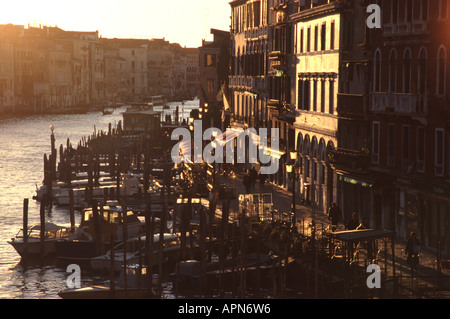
x: 133, y: 283
x: 33, y: 246
x: 79, y: 196
x: 42, y: 190
x: 135, y: 252
x: 87, y: 244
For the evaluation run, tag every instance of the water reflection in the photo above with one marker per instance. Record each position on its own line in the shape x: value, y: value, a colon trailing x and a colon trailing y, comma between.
x: 23, y: 143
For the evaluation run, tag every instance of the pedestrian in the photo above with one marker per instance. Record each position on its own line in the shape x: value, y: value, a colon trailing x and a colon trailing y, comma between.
x: 353, y: 223
x: 412, y: 250
x: 253, y: 178
x: 334, y: 214
x: 262, y: 179
x: 247, y: 183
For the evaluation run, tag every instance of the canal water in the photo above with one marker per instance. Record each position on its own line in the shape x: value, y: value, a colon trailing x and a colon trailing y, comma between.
x: 23, y: 143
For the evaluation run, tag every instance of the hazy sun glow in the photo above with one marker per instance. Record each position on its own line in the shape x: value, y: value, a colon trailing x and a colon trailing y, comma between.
x: 179, y: 21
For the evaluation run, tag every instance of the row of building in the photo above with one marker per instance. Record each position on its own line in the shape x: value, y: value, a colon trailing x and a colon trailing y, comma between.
x: 47, y: 69
x: 367, y: 110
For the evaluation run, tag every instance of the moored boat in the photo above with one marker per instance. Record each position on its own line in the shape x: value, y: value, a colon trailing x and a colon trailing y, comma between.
x: 33, y: 246
x: 92, y: 238
x: 134, y: 254
x: 133, y: 283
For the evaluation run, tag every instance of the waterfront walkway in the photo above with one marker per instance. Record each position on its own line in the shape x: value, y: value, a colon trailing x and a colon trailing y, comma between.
x: 426, y: 280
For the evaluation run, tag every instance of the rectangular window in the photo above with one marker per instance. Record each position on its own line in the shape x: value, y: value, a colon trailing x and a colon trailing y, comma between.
x: 439, y: 152
x: 443, y: 10
x: 300, y: 95
x: 376, y: 142
x: 405, y: 146
x: 301, y: 40
x: 391, y: 145
x: 332, y: 35
x: 210, y: 60
x: 323, y: 38
x: 315, y: 96
x: 394, y: 12
x: 331, y: 98
x: 316, y: 38
x: 409, y: 11
x: 210, y: 86
x: 308, y: 41
x: 322, y: 96
x: 424, y: 10
x: 420, y: 149
x: 307, y: 95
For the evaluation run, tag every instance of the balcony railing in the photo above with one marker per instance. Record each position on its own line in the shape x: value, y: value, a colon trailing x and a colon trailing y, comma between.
x: 278, y: 60
x: 407, y: 104
x: 350, y: 158
x: 414, y: 27
x: 247, y: 82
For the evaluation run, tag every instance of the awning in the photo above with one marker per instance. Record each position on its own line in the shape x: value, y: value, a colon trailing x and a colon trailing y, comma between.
x: 364, y: 234
x: 355, y: 180
x: 226, y: 138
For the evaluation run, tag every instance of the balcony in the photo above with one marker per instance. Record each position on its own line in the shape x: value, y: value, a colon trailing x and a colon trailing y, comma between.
x: 278, y: 60
x: 250, y: 83
x: 256, y: 32
x: 402, y: 104
x: 412, y: 28
x: 351, y: 105
x: 350, y: 158
x: 278, y: 109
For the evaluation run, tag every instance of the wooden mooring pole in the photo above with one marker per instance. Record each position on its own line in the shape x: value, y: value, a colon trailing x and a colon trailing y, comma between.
x: 111, y: 270
x: 71, y: 210
x: 42, y: 233
x: 25, y: 224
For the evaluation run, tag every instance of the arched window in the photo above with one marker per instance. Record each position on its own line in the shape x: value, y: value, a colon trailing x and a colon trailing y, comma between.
x: 322, y: 151
x: 300, y: 143
x: 377, y: 72
x: 393, y: 72
x: 306, y: 154
x: 322, y: 159
x: 314, y: 158
x: 407, y: 71
x: 422, y: 72
x: 300, y: 150
x: 441, y: 71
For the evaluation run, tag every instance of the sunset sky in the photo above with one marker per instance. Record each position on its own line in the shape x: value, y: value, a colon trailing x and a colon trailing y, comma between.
x: 179, y: 21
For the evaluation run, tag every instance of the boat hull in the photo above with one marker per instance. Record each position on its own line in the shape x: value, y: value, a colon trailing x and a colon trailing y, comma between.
x: 33, y: 248
x: 75, y: 250
x: 103, y: 292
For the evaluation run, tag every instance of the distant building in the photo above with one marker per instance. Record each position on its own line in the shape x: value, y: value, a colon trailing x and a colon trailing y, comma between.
x: 47, y: 69
x: 160, y: 58
x: 192, y: 71
x: 6, y: 77
x: 211, y: 82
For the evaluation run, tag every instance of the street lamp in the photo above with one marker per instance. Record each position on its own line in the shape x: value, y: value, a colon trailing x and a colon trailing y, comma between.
x: 293, y: 168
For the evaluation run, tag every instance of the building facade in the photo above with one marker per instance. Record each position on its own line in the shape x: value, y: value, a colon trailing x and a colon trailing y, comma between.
x: 47, y: 69
x: 366, y: 109
x: 409, y: 114
x: 211, y: 81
